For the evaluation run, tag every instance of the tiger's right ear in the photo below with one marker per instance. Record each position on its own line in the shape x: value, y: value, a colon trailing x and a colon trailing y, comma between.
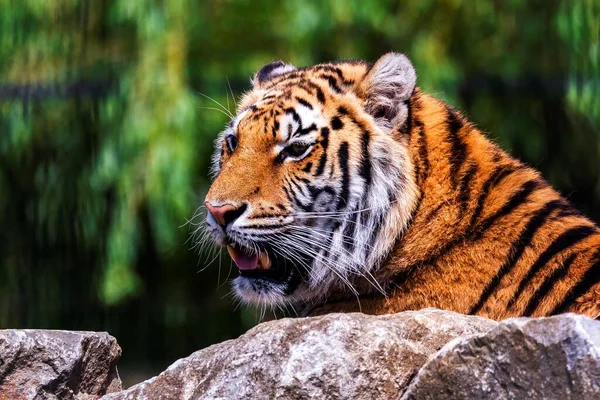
x: 386, y: 87
x: 270, y: 71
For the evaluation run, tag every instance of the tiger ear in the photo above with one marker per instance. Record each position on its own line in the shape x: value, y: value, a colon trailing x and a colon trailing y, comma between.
x: 386, y: 87
x: 270, y: 71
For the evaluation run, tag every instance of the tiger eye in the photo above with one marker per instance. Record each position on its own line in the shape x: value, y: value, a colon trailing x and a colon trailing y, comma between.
x: 232, y: 143
x: 296, y: 149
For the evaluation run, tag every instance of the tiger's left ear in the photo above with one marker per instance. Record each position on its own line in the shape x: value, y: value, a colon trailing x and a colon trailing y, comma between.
x: 386, y: 88
x: 270, y: 71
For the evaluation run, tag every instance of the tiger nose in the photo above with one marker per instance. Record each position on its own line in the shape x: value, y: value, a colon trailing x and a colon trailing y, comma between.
x: 225, y: 214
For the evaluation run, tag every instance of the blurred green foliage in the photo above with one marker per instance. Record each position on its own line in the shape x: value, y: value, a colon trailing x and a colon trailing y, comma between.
x: 106, y: 134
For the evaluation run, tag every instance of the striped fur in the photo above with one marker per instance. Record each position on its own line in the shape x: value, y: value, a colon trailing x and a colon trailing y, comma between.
x: 401, y: 203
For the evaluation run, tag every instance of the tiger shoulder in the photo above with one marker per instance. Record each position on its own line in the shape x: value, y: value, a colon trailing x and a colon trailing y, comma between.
x: 343, y: 187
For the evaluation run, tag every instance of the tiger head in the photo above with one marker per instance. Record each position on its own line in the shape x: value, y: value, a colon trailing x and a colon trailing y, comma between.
x: 313, y: 183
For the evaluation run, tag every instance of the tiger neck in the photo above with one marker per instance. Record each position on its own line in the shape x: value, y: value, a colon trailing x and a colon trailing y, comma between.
x: 449, y: 154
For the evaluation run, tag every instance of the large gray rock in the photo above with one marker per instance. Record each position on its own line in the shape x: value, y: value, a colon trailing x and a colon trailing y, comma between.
x: 351, y: 356
x: 543, y: 358
x: 39, y: 364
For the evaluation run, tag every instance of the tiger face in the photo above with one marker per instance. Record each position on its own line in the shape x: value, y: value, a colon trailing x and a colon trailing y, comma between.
x: 313, y: 183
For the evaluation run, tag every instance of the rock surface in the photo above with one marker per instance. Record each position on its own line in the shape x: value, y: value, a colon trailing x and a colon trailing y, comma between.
x: 350, y: 356
x: 543, y: 358
x: 427, y: 354
x: 39, y: 364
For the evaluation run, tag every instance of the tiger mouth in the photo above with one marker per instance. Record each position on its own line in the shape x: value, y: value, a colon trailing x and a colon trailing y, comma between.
x: 263, y: 264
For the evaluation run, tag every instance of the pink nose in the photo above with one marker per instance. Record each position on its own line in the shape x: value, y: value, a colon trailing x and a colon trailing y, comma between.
x: 224, y: 214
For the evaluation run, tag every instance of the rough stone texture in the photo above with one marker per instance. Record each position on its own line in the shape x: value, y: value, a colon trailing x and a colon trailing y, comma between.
x: 544, y: 358
x: 351, y: 356
x: 40, y: 364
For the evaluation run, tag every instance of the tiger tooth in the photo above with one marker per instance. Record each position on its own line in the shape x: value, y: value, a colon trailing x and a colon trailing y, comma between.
x: 265, y: 261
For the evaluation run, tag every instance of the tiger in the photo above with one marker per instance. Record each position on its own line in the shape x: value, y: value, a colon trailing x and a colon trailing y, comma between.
x: 343, y: 187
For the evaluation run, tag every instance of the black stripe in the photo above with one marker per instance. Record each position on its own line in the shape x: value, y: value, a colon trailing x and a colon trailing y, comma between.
x: 495, y: 177
x: 423, y: 154
x: 304, y: 207
x: 569, y: 212
x: 267, y: 226
x: 294, y: 114
x: 353, y: 120
x: 433, y: 213
x: 348, y: 239
x: 287, y: 193
x: 307, y: 167
x: 516, y: 250
x: 465, y: 187
x: 304, y: 102
x: 518, y: 198
x: 324, y: 143
x: 288, y: 190
x: 306, y: 87
x: 336, y: 123
x: 364, y: 169
x: 340, y: 74
x: 263, y: 216
x: 329, y: 68
x: 287, y: 76
x: 275, y: 128
x: 333, y: 84
x: 342, y: 110
x: 305, y: 131
x: 299, y: 188
x: 405, y: 129
x: 344, y: 169
x: 589, y: 279
x: 548, y: 284
x: 562, y: 242
x: 257, y: 116
x: 458, y: 148
x: 320, y: 95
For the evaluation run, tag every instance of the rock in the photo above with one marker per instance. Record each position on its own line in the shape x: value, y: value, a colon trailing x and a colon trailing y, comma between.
x: 352, y: 356
x: 40, y: 364
x: 542, y: 358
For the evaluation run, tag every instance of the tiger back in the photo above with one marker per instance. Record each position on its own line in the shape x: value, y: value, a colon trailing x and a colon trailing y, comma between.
x: 344, y: 187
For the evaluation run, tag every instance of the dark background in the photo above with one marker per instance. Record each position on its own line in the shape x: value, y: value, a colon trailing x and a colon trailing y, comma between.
x: 106, y: 134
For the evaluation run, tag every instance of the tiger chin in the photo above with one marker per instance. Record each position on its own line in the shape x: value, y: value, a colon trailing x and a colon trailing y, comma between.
x: 343, y: 187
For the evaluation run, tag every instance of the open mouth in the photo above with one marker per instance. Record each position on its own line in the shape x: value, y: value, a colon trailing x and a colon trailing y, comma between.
x: 265, y: 265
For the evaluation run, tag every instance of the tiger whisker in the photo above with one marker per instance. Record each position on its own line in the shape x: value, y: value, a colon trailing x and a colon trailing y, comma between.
x: 212, y: 261
x: 314, y: 254
x: 223, y: 109
x: 325, y: 233
x: 232, y: 96
x: 341, y: 212
x: 344, y: 279
x: 370, y: 278
x: 217, y: 109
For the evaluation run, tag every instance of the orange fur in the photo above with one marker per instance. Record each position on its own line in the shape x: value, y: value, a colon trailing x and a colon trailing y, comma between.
x: 445, y: 261
x: 486, y: 234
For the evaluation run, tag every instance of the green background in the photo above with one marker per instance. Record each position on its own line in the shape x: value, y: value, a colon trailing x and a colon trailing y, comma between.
x: 106, y: 135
